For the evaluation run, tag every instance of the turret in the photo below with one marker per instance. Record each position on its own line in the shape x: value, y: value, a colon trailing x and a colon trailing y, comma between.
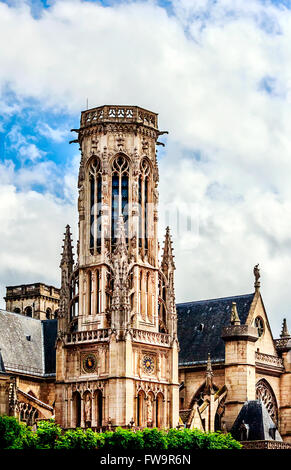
x: 66, y: 265
x: 167, y: 289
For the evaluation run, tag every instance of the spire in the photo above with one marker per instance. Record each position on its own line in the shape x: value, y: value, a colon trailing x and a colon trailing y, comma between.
x: 209, y: 374
x: 67, y: 255
x: 257, y: 277
x: 168, y: 256
x: 285, y: 333
x: 234, y: 318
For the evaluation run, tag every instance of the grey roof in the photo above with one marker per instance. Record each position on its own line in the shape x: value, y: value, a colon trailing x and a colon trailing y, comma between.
x: 254, y: 415
x: 200, y: 324
x: 27, y: 344
x: 2, y: 367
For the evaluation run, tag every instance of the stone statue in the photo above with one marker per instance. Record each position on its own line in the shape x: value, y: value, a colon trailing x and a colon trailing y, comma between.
x: 257, y: 275
x: 81, y: 198
x: 150, y: 411
x: 88, y: 408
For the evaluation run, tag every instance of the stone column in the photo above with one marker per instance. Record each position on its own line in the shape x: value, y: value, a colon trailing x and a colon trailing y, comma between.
x: 82, y: 413
x: 285, y: 395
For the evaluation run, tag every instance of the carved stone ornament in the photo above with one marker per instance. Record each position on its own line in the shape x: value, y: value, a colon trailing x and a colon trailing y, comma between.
x: 265, y: 393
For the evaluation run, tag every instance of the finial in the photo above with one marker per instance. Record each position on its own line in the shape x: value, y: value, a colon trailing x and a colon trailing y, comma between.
x: 234, y: 318
x: 285, y: 333
x: 257, y: 276
x: 67, y: 255
x: 168, y: 256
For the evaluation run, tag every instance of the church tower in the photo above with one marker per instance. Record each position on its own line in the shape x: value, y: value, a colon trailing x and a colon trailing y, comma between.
x: 117, y: 347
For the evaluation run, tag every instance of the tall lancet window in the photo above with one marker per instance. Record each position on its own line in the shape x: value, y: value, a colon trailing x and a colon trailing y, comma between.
x: 119, y: 204
x: 143, y: 204
x: 95, y: 181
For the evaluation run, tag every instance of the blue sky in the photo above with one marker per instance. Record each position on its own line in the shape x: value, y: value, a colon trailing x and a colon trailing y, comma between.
x: 217, y: 72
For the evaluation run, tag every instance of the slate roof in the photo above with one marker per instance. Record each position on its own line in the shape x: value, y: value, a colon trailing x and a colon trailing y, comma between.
x: 255, y: 415
x: 2, y: 367
x: 27, y: 344
x: 200, y: 324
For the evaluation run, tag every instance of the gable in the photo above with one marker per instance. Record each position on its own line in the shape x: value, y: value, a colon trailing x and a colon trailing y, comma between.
x: 265, y: 343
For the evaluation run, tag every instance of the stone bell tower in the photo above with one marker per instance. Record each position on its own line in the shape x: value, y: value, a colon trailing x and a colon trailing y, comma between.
x: 117, y: 347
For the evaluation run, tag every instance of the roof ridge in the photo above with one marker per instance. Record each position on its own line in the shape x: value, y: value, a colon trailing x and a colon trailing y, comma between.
x: 218, y: 298
x: 20, y: 315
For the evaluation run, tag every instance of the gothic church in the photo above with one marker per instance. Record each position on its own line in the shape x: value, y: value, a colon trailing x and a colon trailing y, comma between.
x: 112, y: 348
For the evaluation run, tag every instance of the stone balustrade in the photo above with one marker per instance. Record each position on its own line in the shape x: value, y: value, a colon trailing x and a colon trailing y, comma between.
x: 283, y: 344
x: 126, y: 114
x: 151, y: 337
x: 265, y: 445
x: 269, y: 360
x: 87, y: 336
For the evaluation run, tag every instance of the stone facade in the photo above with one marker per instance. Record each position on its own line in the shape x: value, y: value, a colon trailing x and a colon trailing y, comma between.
x: 34, y: 300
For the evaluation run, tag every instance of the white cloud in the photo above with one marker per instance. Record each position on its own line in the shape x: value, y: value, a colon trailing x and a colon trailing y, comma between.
x: 219, y: 74
x: 25, y: 150
x: 55, y: 135
x: 32, y: 225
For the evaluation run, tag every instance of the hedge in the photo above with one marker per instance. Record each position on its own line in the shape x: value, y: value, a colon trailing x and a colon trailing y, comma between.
x: 49, y: 435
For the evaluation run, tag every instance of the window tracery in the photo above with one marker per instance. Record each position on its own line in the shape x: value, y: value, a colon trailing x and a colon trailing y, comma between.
x: 265, y: 393
x: 259, y: 324
x: 143, y: 203
x: 95, y: 182
x: 119, y: 202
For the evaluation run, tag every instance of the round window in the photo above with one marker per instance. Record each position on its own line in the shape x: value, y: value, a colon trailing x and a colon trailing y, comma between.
x: 259, y: 324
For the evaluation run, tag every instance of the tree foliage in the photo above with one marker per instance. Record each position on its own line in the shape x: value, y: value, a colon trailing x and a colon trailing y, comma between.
x: 49, y: 435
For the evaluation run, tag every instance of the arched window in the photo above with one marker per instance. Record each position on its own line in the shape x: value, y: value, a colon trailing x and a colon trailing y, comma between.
x: 28, y: 311
x: 56, y: 314
x: 17, y: 310
x: 48, y: 313
x: 140, y: 409
x: 143, y: 203
x: 95, y: 182
x: 74, y: 293
x: 76, y: 418
x: 259, y: 324
x: 264, y: 392
x: 162, y: 312
x: 109, y: 289
x: 99, y: 407
x: 119, y: 202
x: 159, y: 410
x: 90, y: 292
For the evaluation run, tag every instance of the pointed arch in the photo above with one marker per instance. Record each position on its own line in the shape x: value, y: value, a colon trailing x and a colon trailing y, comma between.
x: 98, y: 397
x: 76, y: 415
x: 199, y: 394
x: 95, y: 195
x: 140, y: 408
x: 265, y: 393
x: 119, y: 193
x: 160, y: 403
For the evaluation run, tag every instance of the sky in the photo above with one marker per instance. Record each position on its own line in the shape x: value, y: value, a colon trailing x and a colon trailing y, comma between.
x: 218, y: 72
